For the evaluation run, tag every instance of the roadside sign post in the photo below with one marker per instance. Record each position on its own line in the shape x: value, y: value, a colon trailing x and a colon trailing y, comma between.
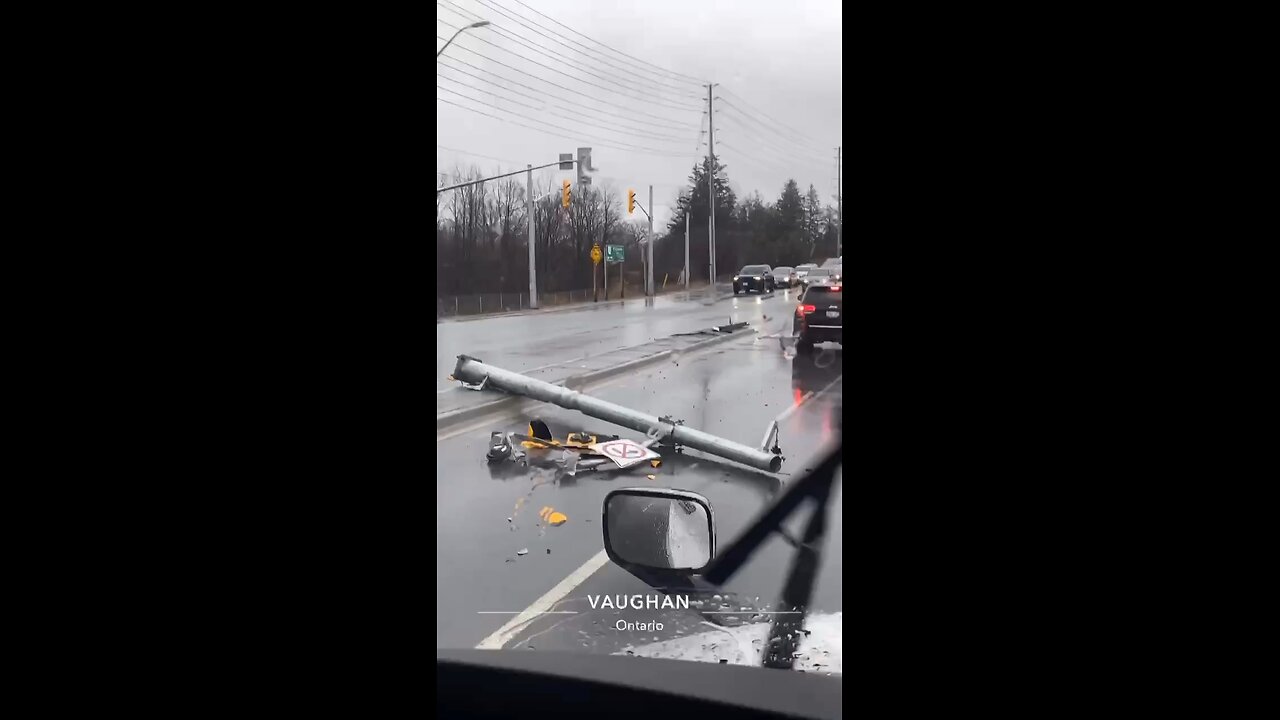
x: 595, y: 260
x: 615, y: 254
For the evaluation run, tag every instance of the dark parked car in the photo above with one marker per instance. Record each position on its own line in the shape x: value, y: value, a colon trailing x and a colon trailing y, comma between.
x: 819, y: 316
x: 754, y: 277
x: 784, y: 276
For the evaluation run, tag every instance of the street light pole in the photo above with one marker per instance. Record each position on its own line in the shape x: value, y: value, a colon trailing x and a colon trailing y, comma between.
x: 649, y: 250
x: 482, y: 23
x: 533, y: 260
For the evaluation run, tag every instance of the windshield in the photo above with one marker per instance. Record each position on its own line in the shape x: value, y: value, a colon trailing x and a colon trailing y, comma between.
x: 820, y: 272
x: 600, y: 260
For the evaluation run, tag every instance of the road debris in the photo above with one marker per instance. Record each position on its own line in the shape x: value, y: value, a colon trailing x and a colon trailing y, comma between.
x: 523, y: 551
x: 553, y: 517
x: 471, y: 369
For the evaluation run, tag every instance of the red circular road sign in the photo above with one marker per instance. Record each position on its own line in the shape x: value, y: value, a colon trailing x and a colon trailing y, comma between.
x: 623, y: 451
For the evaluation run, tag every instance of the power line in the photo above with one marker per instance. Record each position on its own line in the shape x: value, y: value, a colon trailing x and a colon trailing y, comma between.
x: 800, y: 147
x: 790, y: 147
x: 535, y: 77
x: 576, y: 105
x: 642, y: 98
x: 638, y: 130
x: 647, y: 95
x: 492, y: 25
x: 676, y: 75
x: 767, y: 166
x: 568, y: 117
x: 647, y: 151
x: 788, y: 153
x: 744, y: 102
x: 487, y: 157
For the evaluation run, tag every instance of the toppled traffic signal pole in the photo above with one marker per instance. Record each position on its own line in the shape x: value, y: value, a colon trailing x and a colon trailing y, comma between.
x: 471, y: 370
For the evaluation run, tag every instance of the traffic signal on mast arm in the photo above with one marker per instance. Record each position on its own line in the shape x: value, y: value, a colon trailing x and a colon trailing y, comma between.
x: 631, y: 202
x: 564, y: 194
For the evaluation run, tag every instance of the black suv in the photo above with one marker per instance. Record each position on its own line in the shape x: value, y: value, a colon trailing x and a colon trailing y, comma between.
x: 754, y: 277
x: 819, y: 316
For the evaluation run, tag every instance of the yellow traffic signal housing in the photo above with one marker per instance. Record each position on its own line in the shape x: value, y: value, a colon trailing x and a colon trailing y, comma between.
x: 631, y: 202
x: 564, y: 194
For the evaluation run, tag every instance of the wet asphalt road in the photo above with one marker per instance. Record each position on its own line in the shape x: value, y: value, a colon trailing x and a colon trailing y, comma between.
x: 733, y: 389
x: 526, y: 341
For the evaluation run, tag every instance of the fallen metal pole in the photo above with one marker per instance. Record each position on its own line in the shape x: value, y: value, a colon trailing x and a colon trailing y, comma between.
x: 472, y: 370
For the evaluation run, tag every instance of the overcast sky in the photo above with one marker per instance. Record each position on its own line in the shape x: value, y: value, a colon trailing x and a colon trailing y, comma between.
x: 777, y: 63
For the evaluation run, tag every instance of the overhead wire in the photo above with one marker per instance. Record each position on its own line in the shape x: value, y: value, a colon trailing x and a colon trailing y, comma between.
x: 675, y: 75
x: 642, y: 98
x: 577, y: 106
x: 800, y: 137
x: 589, y: 97
x: 736, y: 113
x: 644, y: 150
x: 659, y: 87
x: 572, y: 107
x: 637, y: 133
x: 596, y: 127
x: 766, y: 145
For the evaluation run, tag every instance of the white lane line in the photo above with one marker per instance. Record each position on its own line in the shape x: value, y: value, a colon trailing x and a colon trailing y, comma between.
x: 749, y: 612
x: 787, y: 413
x: 541, y: 606
x: 517, y: 612
x: 804, y: 399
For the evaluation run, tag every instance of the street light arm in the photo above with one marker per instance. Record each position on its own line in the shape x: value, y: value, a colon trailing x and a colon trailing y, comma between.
x: 646, y: 212
x: 482, y: 23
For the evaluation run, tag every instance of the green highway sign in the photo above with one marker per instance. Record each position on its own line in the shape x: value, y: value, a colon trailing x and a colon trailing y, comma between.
x: 614, y: 253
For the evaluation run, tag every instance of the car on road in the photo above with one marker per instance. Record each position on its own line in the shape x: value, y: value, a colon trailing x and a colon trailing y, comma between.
x: 818, y: 276
x: 819, y: 316
x: 803, y: 270
x: 784, y: 276
x: 754, y: 277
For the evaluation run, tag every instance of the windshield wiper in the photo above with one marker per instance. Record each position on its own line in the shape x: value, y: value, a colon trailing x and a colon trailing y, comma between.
x: 784, y: 634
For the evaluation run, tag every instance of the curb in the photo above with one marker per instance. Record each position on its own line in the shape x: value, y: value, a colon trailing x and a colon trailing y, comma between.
x: 574, y: 382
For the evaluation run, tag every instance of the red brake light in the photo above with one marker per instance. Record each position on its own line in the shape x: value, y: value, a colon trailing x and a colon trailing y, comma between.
x: 805, y: 309
x: 835, y: 288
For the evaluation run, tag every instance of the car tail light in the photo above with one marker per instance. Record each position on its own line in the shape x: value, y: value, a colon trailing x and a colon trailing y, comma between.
x: 805, y: 309
x: 835, y: 288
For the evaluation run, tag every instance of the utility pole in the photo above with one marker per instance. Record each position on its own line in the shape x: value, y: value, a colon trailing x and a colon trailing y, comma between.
x: 839, y: 204
x: 533, y: 267
x: 649, y: 250
x: 711, y: 181
x: 686, y: 248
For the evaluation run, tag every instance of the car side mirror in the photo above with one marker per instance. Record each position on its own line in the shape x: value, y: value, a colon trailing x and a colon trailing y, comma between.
x: 659, y: 529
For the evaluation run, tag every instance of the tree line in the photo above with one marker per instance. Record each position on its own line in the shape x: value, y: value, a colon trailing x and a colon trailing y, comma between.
x: 482, y: 232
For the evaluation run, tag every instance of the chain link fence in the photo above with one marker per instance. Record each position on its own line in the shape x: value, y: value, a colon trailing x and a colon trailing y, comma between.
x: 484, y: 303
x: 487, y: 303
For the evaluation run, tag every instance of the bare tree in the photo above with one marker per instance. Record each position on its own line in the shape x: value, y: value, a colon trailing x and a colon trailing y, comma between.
x: 508, y: 206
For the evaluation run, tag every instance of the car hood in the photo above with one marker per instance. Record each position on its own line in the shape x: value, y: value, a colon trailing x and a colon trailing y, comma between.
x: 820, y: 649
